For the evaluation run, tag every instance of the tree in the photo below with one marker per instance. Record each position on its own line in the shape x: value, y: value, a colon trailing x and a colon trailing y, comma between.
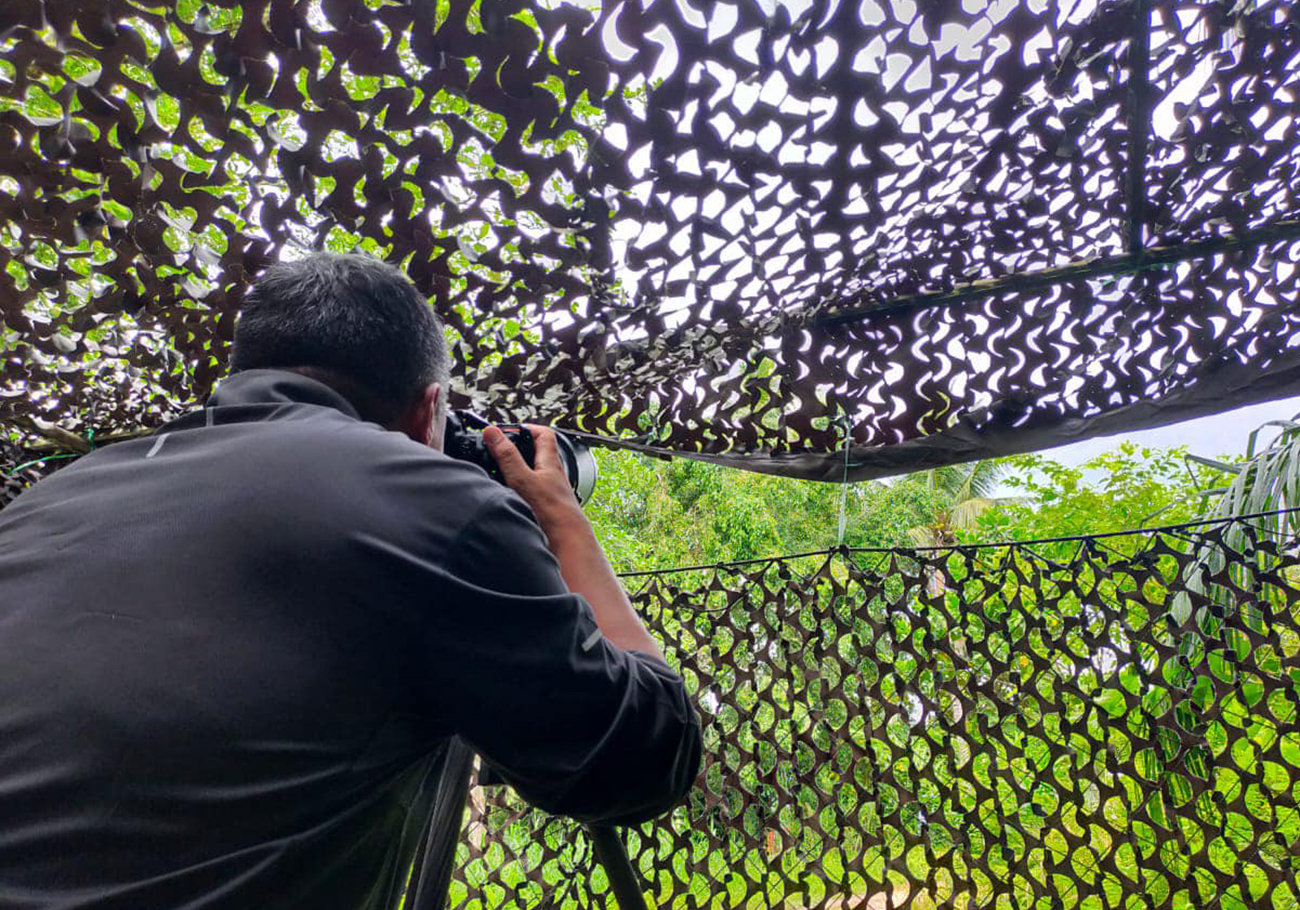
x: 651, y: 513
x: 968, y: 490
x: 1128, y: 487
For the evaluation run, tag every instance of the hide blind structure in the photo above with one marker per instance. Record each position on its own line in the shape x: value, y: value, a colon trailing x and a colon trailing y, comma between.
x: 1108, y: 722
x: 830, y: 239
x: 1103, y: 722
x: 757, y: 231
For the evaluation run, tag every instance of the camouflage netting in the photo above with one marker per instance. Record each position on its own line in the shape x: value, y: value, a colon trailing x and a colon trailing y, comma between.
x: 1109, y: 723
x: 1106, y: 724
x: 15, y: 474
x: 751, y: 231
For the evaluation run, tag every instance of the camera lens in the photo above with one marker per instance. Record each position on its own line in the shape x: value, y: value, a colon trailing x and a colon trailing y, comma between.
x: 463, y: 440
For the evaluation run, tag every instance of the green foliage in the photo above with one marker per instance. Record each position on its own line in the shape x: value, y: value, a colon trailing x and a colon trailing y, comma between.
x: 1128, y: 487
x: 653, y: 514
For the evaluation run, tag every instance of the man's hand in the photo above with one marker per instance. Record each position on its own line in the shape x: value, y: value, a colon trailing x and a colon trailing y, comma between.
x: 545, y: 487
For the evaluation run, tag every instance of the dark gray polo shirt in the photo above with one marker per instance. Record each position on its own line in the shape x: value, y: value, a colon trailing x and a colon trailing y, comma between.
x: 232, y: 653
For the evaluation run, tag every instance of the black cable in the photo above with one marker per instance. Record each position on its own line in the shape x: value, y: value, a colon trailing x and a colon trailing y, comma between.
x: 1163, y: 529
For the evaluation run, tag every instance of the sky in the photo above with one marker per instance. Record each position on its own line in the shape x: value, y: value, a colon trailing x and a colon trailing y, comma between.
x: 1216, y: 436
x: 1220, y: 434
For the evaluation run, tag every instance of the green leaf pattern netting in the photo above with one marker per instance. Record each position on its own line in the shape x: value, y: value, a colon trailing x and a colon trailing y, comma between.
x: 1100, y: 724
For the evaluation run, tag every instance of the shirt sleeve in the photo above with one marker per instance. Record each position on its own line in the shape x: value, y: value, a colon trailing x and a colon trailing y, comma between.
x: 576, y: 725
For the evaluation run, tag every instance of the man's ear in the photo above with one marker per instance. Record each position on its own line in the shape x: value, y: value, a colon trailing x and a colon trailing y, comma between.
x: 424, y: 421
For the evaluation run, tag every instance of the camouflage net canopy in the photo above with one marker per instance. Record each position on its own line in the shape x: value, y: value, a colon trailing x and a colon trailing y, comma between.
x: 1109, y: 723
x: 761, y: 231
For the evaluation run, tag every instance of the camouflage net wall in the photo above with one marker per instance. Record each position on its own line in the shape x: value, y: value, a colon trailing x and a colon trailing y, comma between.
x: 755, y: 231
x: 1098, y: 723
x: 1105, y: 723
x: 13, y: 477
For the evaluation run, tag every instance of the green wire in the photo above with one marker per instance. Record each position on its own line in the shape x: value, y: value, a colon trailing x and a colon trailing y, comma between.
x: 90, y: 438
x: 38, y: 461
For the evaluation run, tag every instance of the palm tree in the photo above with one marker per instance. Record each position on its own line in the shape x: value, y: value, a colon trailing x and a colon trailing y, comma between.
x: 969, y: 491
x: 1268, y: 479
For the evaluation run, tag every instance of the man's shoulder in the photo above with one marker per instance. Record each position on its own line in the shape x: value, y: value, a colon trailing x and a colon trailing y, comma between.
x: 390, y: 460
x: 397, y: 496
x: 395, y: 480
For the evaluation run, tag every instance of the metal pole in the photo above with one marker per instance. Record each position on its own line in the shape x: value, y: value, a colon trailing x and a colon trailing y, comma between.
x: 431, y: 877
x: 622, y: 877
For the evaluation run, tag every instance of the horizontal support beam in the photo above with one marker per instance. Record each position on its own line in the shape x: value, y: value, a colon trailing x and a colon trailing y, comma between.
x: 60, y: 440
x: 1155, y: 257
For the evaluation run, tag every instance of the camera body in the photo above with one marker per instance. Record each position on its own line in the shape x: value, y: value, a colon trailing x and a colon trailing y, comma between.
x: 463, y: 440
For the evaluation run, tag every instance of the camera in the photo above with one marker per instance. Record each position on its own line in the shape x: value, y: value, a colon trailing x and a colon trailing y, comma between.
x: 463, y: 440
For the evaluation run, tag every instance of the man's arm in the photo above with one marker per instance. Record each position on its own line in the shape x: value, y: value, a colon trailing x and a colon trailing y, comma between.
x: 581, y: 715
x: 545, y: 487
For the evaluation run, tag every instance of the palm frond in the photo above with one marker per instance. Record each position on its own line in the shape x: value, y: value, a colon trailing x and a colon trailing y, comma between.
x: 965, y: 514
x: 961, y: 482
x: 924, y: 536
x: 1254, y: 434
x: 1225, y: 466
x: 984, y: 478
x: 1268, y: 480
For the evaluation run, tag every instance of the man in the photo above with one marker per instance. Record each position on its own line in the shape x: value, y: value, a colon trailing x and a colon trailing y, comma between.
x: 232, y: 653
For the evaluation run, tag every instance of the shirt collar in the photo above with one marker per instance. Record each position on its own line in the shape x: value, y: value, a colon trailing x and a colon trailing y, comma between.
x: 263, y: 387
